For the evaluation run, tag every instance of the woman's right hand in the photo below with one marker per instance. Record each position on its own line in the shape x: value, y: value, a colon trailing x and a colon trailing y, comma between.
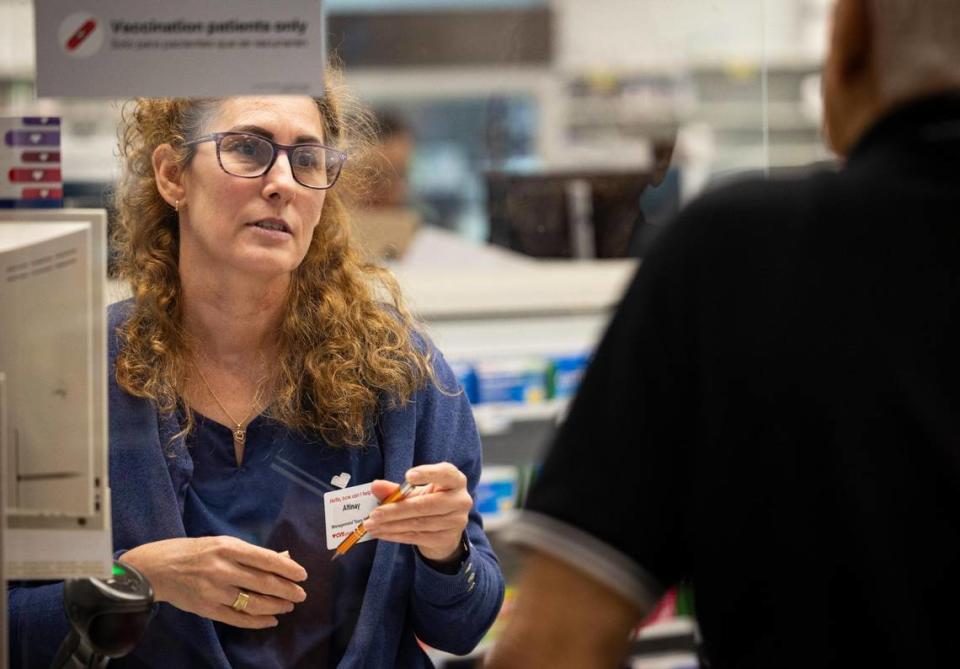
x: 204, y: 575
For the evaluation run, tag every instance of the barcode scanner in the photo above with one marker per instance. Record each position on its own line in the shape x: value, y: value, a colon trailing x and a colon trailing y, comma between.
x: 107, y: 617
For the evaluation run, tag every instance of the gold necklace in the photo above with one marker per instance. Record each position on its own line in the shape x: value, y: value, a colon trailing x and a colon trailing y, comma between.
x: 239, y: 432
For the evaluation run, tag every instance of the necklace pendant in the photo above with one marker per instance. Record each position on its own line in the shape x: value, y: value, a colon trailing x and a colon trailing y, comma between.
x: 239, y: 436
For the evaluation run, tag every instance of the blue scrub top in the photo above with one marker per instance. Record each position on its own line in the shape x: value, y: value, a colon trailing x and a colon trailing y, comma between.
x: 274, y: 499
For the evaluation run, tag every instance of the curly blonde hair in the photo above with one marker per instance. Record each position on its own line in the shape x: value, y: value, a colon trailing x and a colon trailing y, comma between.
x: 347, y: 344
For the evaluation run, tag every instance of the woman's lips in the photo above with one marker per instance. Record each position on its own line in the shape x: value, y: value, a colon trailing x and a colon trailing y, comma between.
x: 272, y: 225
x: 269, y: 232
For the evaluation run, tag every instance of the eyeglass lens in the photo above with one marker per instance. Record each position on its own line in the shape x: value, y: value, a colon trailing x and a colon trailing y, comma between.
x: 249, y: 156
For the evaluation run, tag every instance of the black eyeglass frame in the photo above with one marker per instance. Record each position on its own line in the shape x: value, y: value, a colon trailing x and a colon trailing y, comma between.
x: 217, y: 137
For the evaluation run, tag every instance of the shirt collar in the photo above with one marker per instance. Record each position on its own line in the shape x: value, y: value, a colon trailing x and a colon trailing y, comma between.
x: 906, y: 119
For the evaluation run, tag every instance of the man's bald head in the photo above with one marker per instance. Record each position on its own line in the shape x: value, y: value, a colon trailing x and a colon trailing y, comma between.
x: 884, y: 53
x: 917, y: 45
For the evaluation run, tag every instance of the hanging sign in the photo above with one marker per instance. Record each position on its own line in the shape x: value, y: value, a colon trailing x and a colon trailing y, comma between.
x: 181, y: 48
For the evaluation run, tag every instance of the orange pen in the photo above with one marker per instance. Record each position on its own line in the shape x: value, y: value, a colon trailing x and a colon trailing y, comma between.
x: 358, y: 534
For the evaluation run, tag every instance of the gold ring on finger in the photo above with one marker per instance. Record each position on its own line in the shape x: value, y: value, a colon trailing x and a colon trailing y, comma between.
x: 240, y: 603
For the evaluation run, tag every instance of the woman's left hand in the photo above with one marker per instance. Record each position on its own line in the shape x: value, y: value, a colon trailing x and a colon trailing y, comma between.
x: 432, y: 518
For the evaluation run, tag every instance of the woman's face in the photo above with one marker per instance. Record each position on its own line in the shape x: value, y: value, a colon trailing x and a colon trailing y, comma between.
x: 229, y: 222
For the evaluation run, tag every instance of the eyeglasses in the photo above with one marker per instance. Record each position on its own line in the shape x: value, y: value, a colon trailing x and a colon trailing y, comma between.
x: 249, y: 156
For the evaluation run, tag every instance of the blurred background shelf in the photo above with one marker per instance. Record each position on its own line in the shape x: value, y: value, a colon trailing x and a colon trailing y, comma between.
x: 498, y: 418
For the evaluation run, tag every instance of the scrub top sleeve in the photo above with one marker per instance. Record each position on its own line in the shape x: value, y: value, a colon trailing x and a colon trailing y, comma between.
x: 37, y: 623
x: 614, y: 484
x: 452, y: 612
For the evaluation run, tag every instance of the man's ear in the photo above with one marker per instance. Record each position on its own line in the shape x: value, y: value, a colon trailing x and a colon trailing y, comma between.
x: 168, y: 174
x: 853, y: 42
x: 851, y: 91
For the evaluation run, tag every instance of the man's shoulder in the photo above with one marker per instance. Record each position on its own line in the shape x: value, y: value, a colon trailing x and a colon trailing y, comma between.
x: 749, y: 216
x: 767, y: 202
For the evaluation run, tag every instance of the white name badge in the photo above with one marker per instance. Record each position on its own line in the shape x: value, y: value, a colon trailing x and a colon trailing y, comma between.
x: 345, y: 509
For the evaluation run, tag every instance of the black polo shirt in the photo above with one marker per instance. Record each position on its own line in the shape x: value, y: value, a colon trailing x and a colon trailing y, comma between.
x: 774, y: 414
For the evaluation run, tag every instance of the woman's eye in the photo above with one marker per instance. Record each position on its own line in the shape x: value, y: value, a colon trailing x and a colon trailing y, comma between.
x: 246, y: 148
x: 242, y: 147
x: 307, y: 159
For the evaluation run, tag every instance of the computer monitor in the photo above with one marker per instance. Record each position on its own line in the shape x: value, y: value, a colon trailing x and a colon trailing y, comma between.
x: 567, y: 214
x: 53, y: 355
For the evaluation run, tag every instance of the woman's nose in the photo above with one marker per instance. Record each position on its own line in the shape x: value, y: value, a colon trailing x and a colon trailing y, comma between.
x: 279, y: 178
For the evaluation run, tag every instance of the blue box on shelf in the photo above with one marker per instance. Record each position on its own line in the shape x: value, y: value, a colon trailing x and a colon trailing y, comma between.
x: 566, y: 373
x: 497, y: 491
x: 467, y: 378
x: 512, y: 380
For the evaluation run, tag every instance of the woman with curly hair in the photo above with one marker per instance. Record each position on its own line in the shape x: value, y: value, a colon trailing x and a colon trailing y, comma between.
x: 259, y: 364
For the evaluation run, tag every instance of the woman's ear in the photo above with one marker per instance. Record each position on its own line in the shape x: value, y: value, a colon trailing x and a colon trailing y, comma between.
x: 169, y: 175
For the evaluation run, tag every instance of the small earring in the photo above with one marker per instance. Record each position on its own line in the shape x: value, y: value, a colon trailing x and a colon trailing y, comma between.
x: 176, y: 205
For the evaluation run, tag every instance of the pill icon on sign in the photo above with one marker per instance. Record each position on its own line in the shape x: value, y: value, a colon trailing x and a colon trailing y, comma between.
x: 81, y: 34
